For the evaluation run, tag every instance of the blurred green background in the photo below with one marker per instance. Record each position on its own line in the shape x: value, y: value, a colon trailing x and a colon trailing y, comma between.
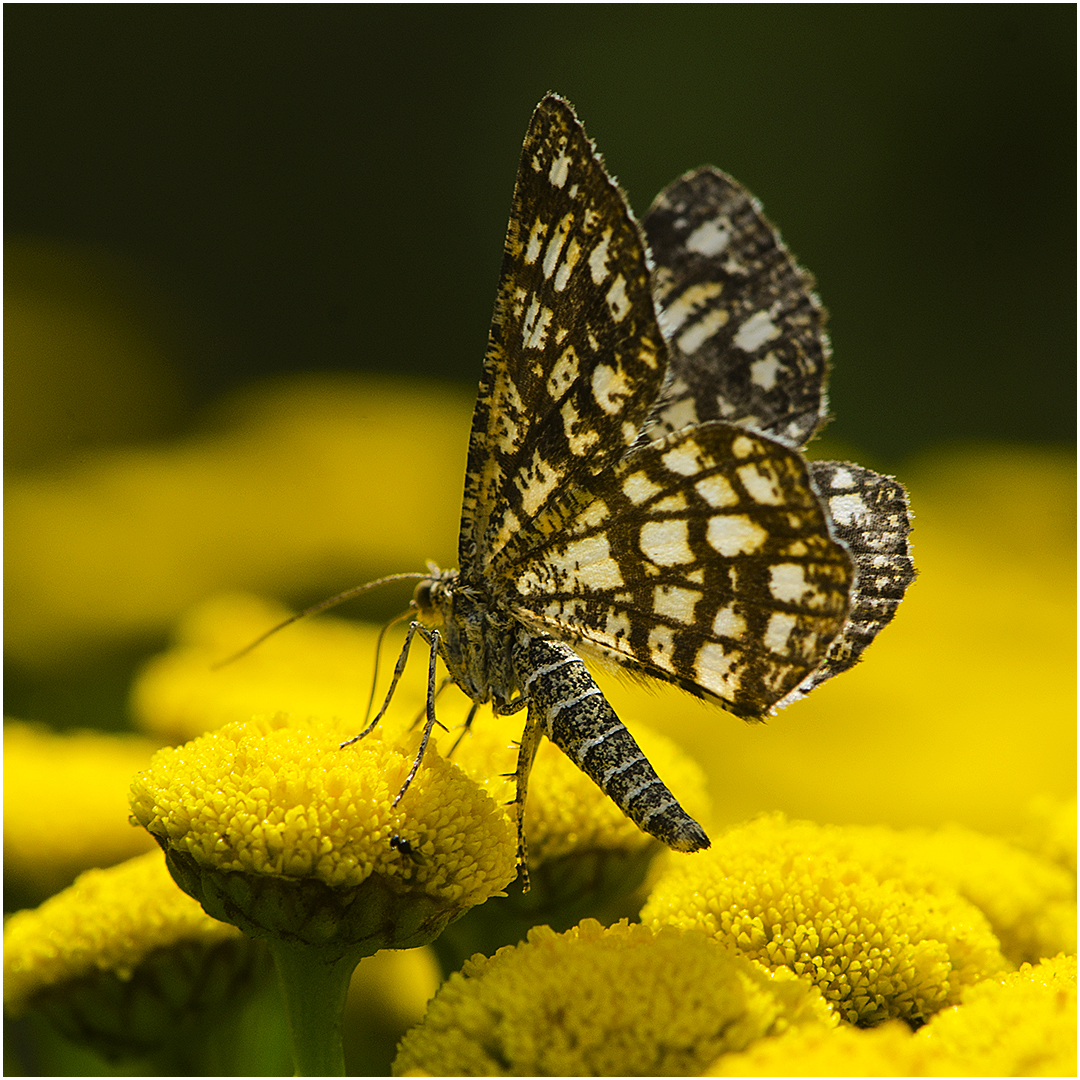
x: 252, y: 189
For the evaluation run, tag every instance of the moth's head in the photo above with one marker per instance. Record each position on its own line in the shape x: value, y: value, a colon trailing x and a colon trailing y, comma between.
x: 432, y: 595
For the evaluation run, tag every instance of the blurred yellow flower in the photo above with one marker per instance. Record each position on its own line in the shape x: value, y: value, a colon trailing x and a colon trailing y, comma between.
x: 251, y: 809
x: 290, y: 492
x: 620, y: 1001
x: 109, y: 920
x: 316, y: 667
x: 1048, y: 827
x: 123, y: 959
x: 388, y: 994
x: 806, y: 897
x: 888, y: 1050
x: 64, y: 803
x: 1022, y: 1024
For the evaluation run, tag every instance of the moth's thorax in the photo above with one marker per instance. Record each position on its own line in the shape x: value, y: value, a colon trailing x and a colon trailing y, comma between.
x: 476, y: 634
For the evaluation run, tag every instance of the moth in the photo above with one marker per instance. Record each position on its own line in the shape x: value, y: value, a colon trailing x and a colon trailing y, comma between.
x: 635, y: 491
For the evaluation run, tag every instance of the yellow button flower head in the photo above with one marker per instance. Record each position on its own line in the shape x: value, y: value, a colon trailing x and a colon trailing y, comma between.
x: 1022, y: 1024
x: 275, y: 828
x: 602, y: 1002
x: 1029, y: 901
x: 124, y: 960
x: 64, y: 805
x: 272, y: 826
x: 802, y: 896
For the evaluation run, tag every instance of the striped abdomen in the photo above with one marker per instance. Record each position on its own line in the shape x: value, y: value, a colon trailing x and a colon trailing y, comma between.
x: 574, y: 714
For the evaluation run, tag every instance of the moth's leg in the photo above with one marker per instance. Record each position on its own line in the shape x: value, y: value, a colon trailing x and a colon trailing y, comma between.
x: 530, y: 741
x: 398, y: 669
x: 432, y: 638
x: 423, y: 712
x: 378, y: 653
x: 464, y: 727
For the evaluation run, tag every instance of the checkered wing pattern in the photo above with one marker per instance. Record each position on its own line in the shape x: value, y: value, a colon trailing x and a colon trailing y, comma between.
x: 746, y: 341
x: 638, y: 493
x: 744, y: 327
x: 703, y: 559
x: 575, y: 357
x: 871, y: 516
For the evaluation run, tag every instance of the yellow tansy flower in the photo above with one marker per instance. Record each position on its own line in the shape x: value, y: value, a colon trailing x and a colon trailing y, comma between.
x: 888, y: 1050
x: 805, y: 897
x: 315, y: 667
x: 273, y: 826
x: 1022, y: 1024
x: 249, y: 810
x: 1048, y: 827
x: 602, y: 1002
x: 1030, y: 902
x: 124, y: 960
x: 64, y: 804
x: 281, y: 496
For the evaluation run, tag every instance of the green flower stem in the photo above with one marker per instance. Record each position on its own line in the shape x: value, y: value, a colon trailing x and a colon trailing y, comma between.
x: 314, y: 986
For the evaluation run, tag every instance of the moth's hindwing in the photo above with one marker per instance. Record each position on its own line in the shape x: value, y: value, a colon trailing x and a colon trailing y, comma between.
x: 870, y: 514
x: 747, y: 343
x: 744, y: 327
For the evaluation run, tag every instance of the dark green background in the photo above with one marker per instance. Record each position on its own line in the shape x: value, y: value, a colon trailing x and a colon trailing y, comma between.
x: 326, y: 187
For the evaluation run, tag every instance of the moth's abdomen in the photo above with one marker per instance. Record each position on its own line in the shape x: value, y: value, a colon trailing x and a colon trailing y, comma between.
x: 575, y: 715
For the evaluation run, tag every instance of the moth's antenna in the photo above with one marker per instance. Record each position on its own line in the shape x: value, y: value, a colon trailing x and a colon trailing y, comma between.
x: 378, y: 652
x: 322, y: 605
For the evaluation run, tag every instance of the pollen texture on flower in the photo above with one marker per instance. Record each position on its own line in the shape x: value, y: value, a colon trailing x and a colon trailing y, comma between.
x: 805, y: 897
x: 1029, y: 901
x: 1020, y: 1024
x: 279, y: 797
x: 602, y: 1002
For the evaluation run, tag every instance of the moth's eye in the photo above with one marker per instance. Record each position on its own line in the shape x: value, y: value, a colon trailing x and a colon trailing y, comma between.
x: 422, y: 594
